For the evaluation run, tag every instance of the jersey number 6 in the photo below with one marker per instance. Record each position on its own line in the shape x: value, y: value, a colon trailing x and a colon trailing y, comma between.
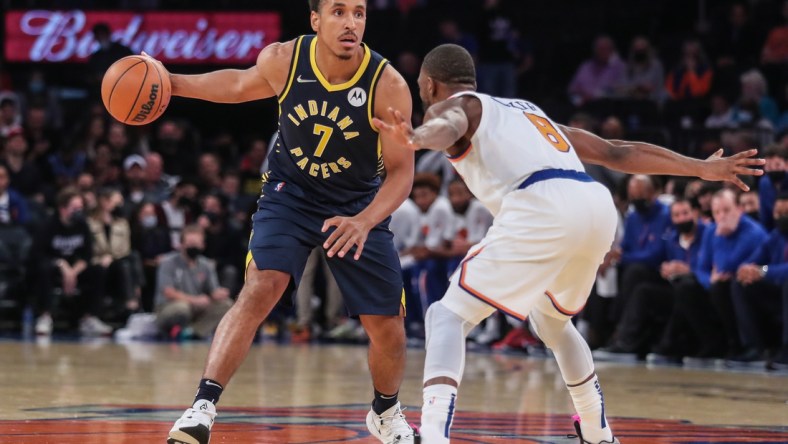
x: 549, y: 132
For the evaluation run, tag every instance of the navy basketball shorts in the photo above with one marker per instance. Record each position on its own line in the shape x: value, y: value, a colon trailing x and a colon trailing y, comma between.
x: 285, y: 229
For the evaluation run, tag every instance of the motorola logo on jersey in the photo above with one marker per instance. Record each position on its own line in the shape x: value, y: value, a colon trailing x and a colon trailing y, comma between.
x: 357, y: 97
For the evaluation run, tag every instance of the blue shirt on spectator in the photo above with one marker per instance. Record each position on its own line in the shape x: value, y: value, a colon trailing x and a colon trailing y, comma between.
x: 675, y: 252
x: 767, y: 194
x: 14, y: 209
x: 643, y: 236
x: 774, y: 253
x: 726, y: 253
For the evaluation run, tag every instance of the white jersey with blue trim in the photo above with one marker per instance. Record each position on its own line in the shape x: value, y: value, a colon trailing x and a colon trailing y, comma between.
x: 515, y: 138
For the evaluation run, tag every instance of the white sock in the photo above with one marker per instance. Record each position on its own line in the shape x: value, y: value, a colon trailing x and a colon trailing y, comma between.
x: 590, y: 405
x: 437, y: 412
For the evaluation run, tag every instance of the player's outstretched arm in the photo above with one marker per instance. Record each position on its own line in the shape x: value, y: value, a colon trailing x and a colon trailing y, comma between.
x: 237, y: 85
x: 646, y: 158
x: 444, y: 124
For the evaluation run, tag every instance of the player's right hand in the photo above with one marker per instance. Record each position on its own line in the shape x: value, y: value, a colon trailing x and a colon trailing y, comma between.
x: 157, y: 62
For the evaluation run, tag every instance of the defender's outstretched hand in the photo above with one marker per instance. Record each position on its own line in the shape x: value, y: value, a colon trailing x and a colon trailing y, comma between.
x: 728, y: 169
x: 400, y: 128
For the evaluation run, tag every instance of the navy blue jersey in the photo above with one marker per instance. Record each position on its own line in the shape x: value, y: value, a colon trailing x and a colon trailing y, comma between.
x: 326, y: 144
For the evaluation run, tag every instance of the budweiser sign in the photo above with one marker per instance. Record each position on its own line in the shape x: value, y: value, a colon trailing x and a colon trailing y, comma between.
x: 180, y: 37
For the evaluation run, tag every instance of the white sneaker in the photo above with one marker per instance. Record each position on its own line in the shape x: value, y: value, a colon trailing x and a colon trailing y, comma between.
x: 194, y: 427
x: 390, y: 427
x: 92, y: 326
x: 345, y: 330
x: 44, y: 325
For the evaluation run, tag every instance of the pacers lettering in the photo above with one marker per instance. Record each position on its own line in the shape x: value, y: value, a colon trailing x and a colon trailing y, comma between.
x: 323, y: 114
x: 302, y: 112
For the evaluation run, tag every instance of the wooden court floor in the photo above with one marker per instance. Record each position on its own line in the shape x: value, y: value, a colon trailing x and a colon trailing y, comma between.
x: 104, y: 392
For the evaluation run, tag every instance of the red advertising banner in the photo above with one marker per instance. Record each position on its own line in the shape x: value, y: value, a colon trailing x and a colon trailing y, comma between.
x: 179, y: 37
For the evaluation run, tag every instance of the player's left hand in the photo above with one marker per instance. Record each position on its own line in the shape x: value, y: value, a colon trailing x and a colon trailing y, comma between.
x: 718, y: 168
x: 400, y: 129
x: 349, y: 232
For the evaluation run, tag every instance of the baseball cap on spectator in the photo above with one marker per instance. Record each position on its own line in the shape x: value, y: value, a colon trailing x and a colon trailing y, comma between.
x: 134, y: 159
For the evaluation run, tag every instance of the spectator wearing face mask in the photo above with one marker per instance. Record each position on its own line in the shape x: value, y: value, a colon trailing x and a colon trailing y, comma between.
x: 649, y: 322
x: 223, y: 243
x: 24, y: 175
x: 645, y: 75
x: 772, y: 182
x: 150, y: 237
x: 180, y: 209
x: 751, y: 205
x: 116, y: 269
x: 760, y: 297
x: 189, y: 299
x: 62, y: 254
x: 727, y: 244
x: 641, y: 251
x: 134, y: 167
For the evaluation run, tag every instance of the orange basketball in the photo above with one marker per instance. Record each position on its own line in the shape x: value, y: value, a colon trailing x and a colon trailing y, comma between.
x: 135, y: 90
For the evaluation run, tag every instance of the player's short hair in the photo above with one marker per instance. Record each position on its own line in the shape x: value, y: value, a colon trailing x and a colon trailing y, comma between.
x: 314, y: 5
x: 450, y: 64
x: 783, y: 195
x: 427, y: 180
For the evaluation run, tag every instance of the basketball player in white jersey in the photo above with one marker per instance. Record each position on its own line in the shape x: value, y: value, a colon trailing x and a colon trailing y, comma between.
x: 553, y: 226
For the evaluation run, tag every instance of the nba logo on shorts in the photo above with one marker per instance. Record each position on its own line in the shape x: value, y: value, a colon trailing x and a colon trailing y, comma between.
x: 279, y: 186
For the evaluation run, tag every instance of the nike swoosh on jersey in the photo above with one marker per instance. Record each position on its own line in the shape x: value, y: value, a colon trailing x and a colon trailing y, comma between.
x: 300, y: 80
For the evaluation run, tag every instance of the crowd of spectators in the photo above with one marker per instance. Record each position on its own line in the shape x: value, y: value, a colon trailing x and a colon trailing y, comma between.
x: 99, y: 220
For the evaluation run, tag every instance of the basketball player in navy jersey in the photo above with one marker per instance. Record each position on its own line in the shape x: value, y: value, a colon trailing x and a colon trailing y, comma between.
x: 324, y: 188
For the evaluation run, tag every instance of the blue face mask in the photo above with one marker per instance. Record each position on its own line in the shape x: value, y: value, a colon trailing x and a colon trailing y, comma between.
x: 149, y: 221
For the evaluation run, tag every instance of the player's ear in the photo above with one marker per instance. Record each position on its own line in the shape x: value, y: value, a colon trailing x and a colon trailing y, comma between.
x: 432, y: 87
x: 314, y: 20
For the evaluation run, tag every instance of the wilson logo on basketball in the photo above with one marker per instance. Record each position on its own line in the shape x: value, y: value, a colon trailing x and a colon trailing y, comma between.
x: 147, y: 107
